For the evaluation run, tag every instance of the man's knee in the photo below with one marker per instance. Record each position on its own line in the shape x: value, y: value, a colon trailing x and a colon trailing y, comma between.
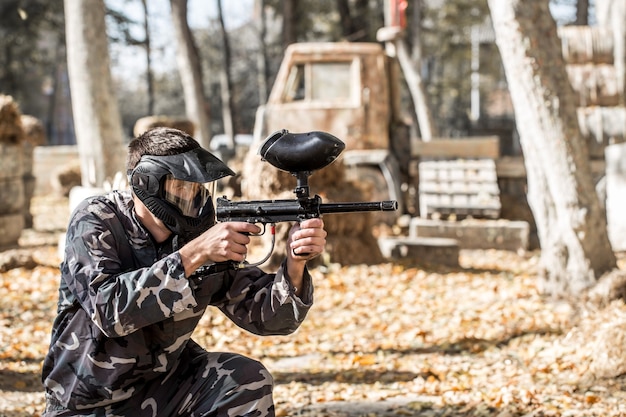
x: 246, y: 371
x: 241, y: 386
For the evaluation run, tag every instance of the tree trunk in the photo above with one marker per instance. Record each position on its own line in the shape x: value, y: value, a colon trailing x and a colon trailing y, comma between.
x: 51, y: 120
x: 226, y: 84
x: 96, y: 116
x: 290, y: 19
x: 582, y: 12
x: 262, y: 66
x: 147, y: 45
x: 571, y: 223
x: 345, y: 19
x: 196, y: 106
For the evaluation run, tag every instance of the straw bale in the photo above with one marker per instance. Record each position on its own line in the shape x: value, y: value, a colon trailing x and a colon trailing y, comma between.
x: 185, y: 125
x: 146, y: 123
x: 350, y: 239
x: 66, y: 177
x: 34, y: 132
x: 596, y: 85
x: 602, y: 126
x: 584, y: 44
x: 11, y: 131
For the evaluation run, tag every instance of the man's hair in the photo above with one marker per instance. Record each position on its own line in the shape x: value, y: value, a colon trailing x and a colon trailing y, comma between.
x: 159, y: 141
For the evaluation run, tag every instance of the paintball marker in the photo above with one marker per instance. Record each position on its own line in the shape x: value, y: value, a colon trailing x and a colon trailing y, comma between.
x: 299, y: 154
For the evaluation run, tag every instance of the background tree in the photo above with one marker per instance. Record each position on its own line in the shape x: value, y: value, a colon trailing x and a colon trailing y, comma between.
x: 291, y: 16
x: 148, y: 47
x: 261, y: 54
x: 96, y: 116
x: 571, y: 223
x: 360, y: 22
x: 32, y: 41
x: 226, y: 82
x: 582, y: 12
x: 120, y: 33
x: 190, y: 73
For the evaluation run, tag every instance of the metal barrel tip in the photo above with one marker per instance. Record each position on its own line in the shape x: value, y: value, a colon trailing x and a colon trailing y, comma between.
x: 390, y: 205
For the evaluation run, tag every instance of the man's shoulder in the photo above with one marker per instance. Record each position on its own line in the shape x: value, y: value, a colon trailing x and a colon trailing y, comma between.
x: 105, y: 206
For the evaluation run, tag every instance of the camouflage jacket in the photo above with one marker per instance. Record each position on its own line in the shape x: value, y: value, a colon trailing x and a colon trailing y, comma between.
x: 126, y: 309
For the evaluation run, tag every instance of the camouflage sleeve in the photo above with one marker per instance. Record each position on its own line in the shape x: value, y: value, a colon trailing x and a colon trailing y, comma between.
x: 119, y: 301
x: 266, y: 304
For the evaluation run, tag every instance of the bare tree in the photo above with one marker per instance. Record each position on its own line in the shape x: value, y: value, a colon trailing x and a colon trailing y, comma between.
x: 147, y: 46
x: 190, y: 73
x: 290, y: 20
x: 262, y: 64
x: 355, y: 23
x: 571, y: 223
x: 225, y: 81
x: 582, y: 12
x: 96, y: 116
x: 345, y: 19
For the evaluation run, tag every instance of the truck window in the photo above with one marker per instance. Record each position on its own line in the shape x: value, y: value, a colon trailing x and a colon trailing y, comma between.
x: 322, y: 81
x: 330, y: 81
x: 294, y: 90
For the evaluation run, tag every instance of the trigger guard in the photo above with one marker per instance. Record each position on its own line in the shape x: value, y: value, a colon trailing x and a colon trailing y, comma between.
x: 262, y: 231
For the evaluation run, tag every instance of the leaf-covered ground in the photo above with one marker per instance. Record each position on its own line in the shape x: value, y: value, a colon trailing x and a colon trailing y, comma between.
x: 383, y: 340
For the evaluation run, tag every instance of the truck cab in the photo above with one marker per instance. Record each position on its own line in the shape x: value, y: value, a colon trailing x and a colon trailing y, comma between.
x: 342, y: 88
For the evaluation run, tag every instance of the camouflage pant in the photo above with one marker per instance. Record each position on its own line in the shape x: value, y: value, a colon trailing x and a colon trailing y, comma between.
x: 204, y: 384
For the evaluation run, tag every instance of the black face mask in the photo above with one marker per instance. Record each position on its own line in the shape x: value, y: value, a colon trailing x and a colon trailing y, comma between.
x: 148, y: 181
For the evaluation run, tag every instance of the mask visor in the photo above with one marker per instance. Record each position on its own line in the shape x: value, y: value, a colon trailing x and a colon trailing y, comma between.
x: 187, y: 196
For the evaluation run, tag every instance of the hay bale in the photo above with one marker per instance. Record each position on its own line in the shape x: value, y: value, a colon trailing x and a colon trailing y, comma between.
x: 11, y: 171
x: 584, y: 44
x: 11, y: 131
x: 595, y: 85
x: 146, y: 123
x: 184, y: 125
x: 66, y: 177
x: 34, y: 131
x: 350, y: 240
x: 33, y: 135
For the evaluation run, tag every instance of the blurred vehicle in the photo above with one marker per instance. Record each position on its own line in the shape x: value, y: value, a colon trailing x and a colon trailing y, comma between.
x: 221, y: 146
x: 222, y: 141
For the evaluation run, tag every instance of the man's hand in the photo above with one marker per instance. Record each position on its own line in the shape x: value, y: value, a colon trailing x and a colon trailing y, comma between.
x: 222, y: 242
x: 307, y: 240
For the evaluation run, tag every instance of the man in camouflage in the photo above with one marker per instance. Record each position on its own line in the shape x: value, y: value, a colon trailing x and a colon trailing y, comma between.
x: 140, y: 269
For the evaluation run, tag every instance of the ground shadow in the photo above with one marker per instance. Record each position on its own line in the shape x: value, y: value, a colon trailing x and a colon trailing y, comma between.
x: 349, y: 376
x: 407, y: 407
x: 20, y: 381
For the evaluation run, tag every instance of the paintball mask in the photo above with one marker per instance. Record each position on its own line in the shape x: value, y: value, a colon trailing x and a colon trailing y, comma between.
x: 179, y: 189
